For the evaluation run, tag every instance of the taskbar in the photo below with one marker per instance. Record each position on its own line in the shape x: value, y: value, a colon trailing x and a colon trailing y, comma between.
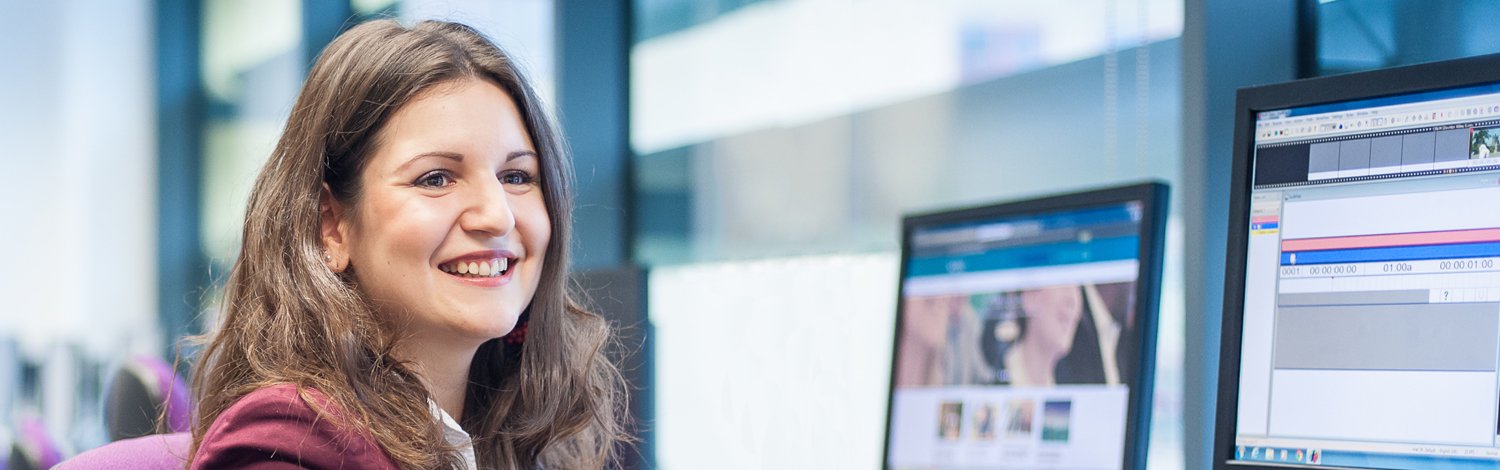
x: 1421, y: 457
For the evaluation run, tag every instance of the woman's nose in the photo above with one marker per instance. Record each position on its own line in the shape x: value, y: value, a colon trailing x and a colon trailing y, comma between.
x: 489, y: 210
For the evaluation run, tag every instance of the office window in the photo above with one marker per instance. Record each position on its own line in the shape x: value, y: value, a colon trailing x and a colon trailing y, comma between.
x: 252, y: 67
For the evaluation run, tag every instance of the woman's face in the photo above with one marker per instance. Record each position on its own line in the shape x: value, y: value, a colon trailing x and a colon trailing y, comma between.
x: 449, y: 233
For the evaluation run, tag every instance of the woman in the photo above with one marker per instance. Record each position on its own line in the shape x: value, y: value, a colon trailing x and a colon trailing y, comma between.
x: 1052, y: 316
x: 400, y: 296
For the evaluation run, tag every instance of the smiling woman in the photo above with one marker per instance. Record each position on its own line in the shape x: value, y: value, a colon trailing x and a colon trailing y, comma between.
x: 400, y: 297
x: 448, y: 196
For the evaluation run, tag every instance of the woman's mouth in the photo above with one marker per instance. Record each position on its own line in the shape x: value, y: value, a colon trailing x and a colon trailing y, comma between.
x: 494, y: 267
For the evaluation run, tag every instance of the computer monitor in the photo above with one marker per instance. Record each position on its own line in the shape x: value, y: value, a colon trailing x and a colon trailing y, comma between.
x: 1362, y: 294
x: 1025, y: 333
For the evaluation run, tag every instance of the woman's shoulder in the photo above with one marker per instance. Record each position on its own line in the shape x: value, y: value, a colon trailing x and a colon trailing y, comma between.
x: 275, y: 426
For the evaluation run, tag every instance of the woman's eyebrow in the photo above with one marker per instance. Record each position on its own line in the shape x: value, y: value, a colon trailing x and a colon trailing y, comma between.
x: 518, y: 154
x: 439, y: 154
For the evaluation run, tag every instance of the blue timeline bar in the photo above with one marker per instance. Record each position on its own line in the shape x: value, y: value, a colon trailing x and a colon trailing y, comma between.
x: 1393, y: 253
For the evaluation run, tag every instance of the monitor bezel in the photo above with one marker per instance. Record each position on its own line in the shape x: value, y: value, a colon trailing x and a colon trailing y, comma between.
x: 1153, y: 198
x: 1249, y: 102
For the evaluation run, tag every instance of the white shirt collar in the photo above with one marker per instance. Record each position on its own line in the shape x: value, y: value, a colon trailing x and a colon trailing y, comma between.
x: 455, y: 435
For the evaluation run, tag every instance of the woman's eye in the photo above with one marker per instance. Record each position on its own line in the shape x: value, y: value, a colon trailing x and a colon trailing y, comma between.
x: 435, y: 179
x: 516, y: 177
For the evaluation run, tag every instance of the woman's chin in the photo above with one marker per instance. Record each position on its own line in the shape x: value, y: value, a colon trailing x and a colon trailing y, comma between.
x: 480, y: 333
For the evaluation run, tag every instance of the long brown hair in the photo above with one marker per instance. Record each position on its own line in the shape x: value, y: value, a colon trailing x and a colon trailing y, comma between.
x: 555, y: 400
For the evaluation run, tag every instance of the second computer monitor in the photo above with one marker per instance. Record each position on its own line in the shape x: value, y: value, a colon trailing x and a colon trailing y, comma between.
x: 1025, y: 334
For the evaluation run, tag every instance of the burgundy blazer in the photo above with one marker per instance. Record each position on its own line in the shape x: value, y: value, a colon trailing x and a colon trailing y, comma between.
x: 273, y: 428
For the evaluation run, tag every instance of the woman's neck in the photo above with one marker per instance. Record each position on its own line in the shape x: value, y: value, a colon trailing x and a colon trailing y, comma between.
x: 443, y: 371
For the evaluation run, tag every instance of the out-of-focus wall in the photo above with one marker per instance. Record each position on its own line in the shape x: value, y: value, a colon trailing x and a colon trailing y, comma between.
x: 776, y: 363
x: 77, y: 209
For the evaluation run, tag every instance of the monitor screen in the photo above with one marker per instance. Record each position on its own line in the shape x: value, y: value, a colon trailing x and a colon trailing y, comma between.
x: 1362, y: 317
x: 1025, y: 333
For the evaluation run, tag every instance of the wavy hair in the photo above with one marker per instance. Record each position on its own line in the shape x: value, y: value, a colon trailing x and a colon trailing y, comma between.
x: 554, y: 401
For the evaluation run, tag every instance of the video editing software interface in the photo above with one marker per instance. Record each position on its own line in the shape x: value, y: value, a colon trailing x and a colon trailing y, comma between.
x: 1012, y: 349
x: 1372, y: 284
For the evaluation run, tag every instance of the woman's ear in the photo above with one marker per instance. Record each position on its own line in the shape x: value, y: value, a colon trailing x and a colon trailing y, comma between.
x: 333, y: 231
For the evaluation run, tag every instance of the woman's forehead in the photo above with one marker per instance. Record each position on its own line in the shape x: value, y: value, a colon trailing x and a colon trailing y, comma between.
x: 473, y: 119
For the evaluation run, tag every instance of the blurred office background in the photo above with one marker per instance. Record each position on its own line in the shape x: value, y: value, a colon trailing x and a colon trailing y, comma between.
x: 744, y: 162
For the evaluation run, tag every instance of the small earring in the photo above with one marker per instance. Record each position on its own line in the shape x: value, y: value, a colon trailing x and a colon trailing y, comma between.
x: 327, y: 258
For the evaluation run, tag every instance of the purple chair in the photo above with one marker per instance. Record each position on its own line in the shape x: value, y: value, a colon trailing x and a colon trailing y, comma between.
x: 33, y: 447
x: 155, y: 451
x: 146, y: 390
x: 146, y: 397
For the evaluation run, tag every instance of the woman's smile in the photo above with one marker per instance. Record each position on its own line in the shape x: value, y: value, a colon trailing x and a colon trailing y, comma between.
x: 484, y: 268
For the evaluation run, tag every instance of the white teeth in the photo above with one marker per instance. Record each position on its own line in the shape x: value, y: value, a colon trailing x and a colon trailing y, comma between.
x: 490, y: 268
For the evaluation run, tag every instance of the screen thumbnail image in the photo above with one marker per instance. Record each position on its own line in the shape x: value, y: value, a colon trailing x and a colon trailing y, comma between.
x: 1036, y: 337
x: 1484, y: 142
x: 950, y: 421
x: 1056, y: 419
x: 984, y: 422
x: 1019, y: 414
